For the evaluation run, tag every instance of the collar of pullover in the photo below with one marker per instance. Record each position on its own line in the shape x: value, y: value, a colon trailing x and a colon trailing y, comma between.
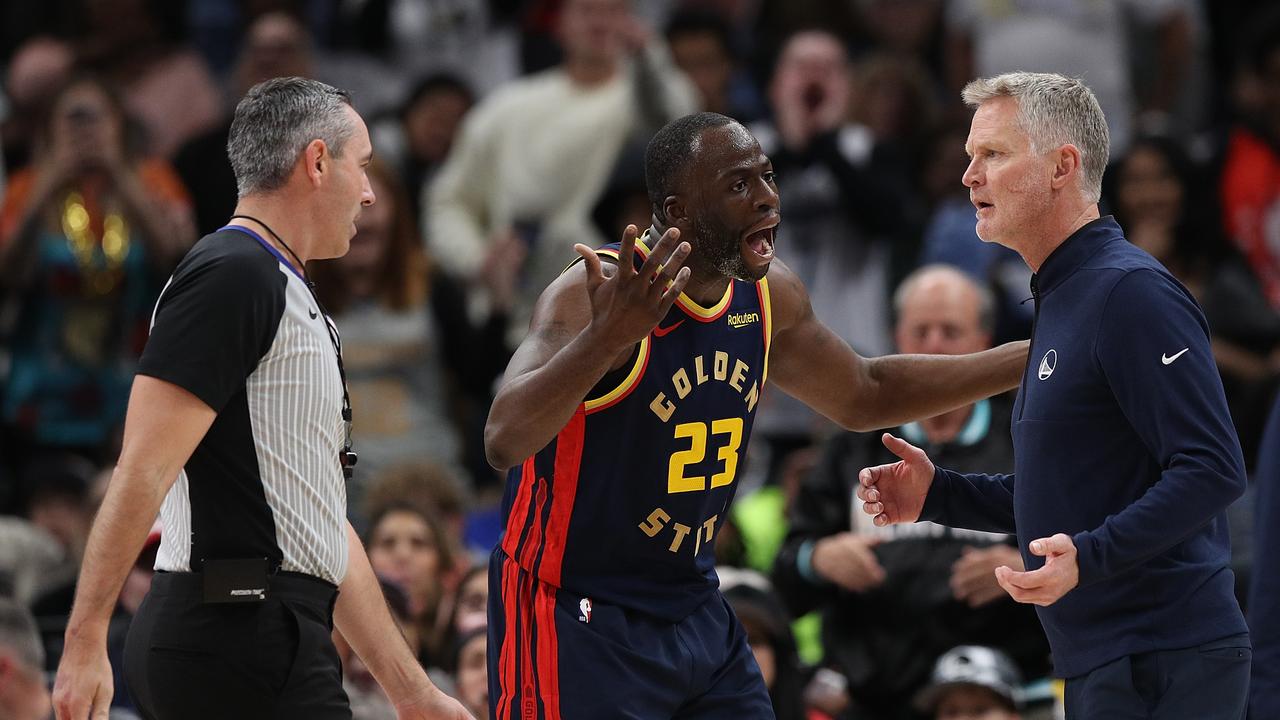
x: 1074, y: 251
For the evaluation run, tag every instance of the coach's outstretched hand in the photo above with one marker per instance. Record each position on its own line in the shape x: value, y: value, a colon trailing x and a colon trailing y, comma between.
x: 895, y: 493
x: 628, y: 305
x: 1047, y: 584
x: 84, y: 687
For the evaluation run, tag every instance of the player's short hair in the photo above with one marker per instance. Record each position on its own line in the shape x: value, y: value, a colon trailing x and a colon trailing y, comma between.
x: 275, y: 121
x: 986, y: 299
x: 670, y: 152
x: 18, y: 634
x: 1053, y: 110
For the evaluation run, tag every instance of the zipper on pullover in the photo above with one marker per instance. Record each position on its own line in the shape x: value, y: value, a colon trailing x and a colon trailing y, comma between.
x: 1035, y: 317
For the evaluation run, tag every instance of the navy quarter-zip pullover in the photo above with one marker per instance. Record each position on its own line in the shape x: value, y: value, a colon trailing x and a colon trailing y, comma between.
x: 1122, y: 440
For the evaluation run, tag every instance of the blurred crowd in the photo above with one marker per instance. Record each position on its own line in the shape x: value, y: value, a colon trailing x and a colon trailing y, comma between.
x: 507, y: 130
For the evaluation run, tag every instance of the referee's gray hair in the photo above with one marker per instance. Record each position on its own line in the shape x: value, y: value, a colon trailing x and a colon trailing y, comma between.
x: 275, y: 121
x: 18, y: 634
x: 986, y: 299
x: 1053, y: 110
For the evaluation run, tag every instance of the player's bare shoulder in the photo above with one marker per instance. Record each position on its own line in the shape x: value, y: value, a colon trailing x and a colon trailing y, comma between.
x: 787, y: 295
x: 564, y: 308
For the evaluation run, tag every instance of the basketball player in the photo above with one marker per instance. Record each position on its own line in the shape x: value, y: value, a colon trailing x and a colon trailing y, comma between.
x: 623, y: 418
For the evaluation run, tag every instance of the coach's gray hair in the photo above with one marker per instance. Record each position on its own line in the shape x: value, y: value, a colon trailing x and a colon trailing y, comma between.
x: 18, y: 634
x: 275, y: 121
x: 986, y: 299
x: 1053, y: 110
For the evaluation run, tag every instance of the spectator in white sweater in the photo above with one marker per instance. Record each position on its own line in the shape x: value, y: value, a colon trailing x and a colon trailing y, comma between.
x: 533, y: 157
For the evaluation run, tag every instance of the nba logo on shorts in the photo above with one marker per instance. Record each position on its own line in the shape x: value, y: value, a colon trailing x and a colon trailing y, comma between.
x: 584, y: 607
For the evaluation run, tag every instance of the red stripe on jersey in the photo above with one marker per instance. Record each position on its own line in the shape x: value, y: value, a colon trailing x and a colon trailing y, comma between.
x: 568, y: 463
x: 548, y: 652
x: 506, y: 659
x: 527, y: 610
x: 531, y: 547
x: 528, y: 694
x: 519, y: 511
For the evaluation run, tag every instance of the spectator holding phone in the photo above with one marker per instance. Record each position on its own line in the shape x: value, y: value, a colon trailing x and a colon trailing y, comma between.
x: 87, y: 235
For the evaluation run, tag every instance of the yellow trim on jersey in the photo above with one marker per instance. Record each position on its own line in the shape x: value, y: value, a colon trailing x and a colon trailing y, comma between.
x: 766, y: 309
x: 642, y: 245
x: 693, y: 308
x: 685, y: 302
x: 629, y: 382
x: 611, y: 253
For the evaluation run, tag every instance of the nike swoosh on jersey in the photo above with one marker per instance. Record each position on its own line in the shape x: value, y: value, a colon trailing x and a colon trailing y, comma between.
x: 1167, y: 359
x: 660, y: 331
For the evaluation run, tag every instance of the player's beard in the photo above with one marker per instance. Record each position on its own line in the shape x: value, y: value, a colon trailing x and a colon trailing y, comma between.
x: 720, y: 248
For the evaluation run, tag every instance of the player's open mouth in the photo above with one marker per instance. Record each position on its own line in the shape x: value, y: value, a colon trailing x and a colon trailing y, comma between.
x: 760, y: 240
x: 982, y: 206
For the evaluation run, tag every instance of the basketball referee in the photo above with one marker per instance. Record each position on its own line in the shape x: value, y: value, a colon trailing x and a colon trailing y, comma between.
x: 239, y: 423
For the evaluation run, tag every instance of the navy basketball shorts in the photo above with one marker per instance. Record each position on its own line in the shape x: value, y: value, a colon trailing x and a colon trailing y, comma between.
x: 555, y: 655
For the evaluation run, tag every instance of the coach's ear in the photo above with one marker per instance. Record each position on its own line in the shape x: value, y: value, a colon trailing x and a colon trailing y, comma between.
x: 1067, y: 165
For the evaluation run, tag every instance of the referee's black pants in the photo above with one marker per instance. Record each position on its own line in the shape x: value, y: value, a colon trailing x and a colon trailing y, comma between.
x: 188, y: 660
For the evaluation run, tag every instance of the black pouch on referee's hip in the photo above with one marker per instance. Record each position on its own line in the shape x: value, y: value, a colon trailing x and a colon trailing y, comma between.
x: 235, y: 581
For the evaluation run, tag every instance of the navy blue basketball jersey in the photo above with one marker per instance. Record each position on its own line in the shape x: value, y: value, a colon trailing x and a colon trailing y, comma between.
x: 625, y: 503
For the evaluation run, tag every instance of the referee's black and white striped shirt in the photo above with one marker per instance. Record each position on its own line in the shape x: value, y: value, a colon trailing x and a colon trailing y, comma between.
x: 237, y: 327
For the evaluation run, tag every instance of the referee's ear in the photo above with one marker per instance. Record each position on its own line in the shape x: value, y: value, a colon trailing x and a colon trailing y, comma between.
x: 314, y: 161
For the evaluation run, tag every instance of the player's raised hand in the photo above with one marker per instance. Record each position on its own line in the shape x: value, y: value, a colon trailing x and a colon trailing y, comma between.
x: 895, y: 493
x: 627, y: 304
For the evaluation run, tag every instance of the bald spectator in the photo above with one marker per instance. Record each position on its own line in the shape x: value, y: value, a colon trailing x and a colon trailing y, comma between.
x: 23, y: 692
x: 935, y: 584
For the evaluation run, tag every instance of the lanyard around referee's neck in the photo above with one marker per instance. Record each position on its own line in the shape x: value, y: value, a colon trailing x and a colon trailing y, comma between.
x: 347, y: 457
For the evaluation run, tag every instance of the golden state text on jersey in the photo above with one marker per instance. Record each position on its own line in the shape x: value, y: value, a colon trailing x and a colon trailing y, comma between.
x: 625, y: 503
